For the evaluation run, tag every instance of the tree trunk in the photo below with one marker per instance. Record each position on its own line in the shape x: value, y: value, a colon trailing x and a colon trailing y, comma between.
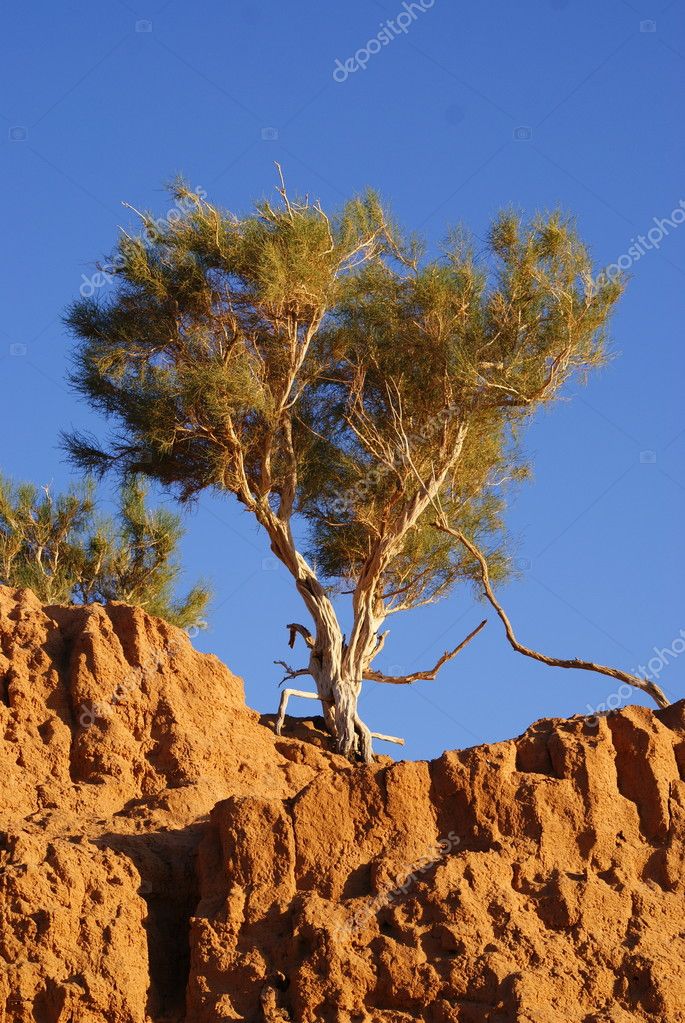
x: 337, y: 683
x: 338, y: 692
x: 352, y: 734
x: 339, y: 697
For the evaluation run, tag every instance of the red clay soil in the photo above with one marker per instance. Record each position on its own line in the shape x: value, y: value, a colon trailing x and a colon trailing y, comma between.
x: 164, y: 856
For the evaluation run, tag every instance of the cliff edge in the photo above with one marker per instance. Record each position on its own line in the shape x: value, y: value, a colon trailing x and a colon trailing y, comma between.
x: 165, y: 857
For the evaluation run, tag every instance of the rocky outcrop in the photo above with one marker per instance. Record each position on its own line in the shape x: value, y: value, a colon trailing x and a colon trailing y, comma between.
x: 116, y: 740
x: 165, y: 857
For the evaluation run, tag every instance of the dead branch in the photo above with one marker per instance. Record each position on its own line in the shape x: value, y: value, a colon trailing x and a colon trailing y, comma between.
x: 294, y: 628
x: 387, y: 738
x: 428, y: 676
x: 291, y: 672
x: 282, y: 191
x: 651, y: 688
x: 282, y: 706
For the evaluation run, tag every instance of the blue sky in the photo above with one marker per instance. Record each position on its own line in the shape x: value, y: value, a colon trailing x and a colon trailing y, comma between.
x: 469, y: 108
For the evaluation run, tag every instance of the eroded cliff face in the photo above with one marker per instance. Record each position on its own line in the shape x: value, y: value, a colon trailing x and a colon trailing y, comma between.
x: 165, y: 857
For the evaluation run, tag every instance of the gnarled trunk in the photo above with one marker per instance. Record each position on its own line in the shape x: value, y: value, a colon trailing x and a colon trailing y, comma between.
x: 337, y: 675
x: 351, y: 733
x: 337, y: 688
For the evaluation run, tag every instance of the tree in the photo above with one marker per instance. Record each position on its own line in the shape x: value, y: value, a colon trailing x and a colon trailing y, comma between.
x: 324, y: 371
x: 60, y: 548
x: 41, y: 538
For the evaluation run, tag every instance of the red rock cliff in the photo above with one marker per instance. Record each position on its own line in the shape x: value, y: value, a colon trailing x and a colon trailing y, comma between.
x: 165, y: 857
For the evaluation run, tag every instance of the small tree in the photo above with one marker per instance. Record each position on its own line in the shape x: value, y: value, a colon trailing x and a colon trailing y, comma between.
x: 42, y: 538
x: 60, y: 548
x: 322, y: 369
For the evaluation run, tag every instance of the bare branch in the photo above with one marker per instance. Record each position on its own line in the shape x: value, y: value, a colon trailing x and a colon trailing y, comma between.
x: 303, y: 631
x: 387, y: 738
x: 428, y: 676
x: 282, y: 190
x: 651, y: 688
x: 291, y: 672
x: 285, y: 696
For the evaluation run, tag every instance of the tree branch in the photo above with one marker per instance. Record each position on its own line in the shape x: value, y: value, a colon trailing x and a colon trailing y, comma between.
x: 651, y: 688
x: 294, y: 628
x: 428, y: 676
x: 291, y: 672
x: 283, y: 705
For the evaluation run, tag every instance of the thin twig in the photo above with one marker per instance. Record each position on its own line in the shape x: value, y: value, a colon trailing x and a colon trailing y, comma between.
x: 291, y: 672
x: 426, y: 676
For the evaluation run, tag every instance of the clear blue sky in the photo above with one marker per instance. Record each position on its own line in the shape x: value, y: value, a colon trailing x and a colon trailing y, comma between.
x: 475, y: 106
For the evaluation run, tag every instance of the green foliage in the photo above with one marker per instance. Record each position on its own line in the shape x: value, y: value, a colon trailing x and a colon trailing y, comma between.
x: 61, y: 549
x: 321, y: 366
x: 41, y: 538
